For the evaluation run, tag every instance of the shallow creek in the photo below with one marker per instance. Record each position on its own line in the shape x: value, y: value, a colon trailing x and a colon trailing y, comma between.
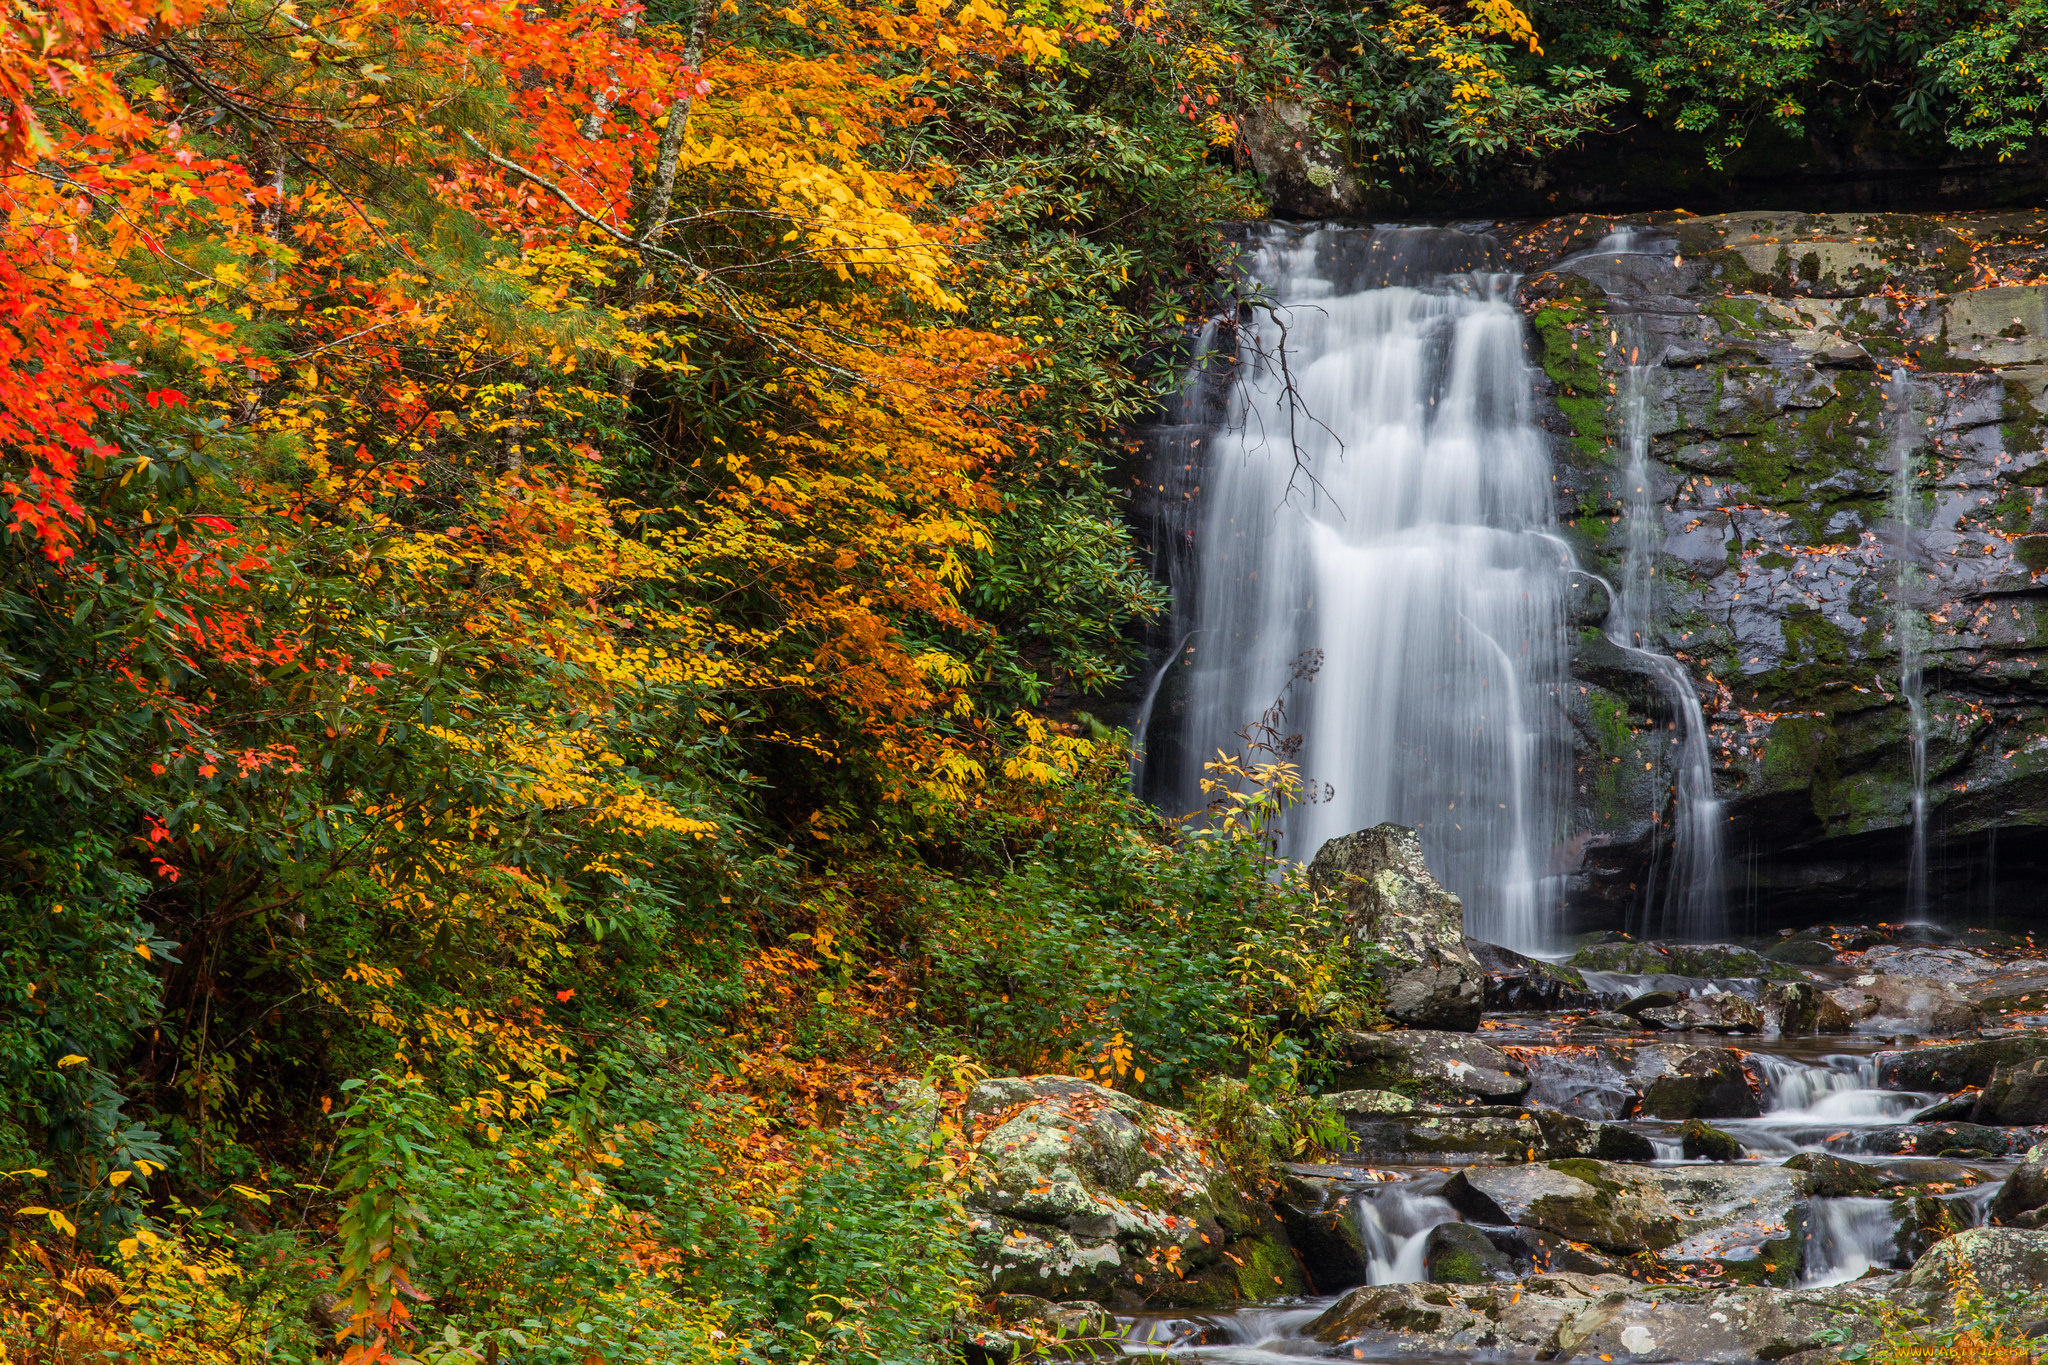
x: 1816, y: 1094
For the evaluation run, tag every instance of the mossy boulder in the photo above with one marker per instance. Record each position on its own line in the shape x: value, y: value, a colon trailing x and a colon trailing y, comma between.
x: 1082, y: 1192
x: 1458, y: 1253
x: 1700, y: 1142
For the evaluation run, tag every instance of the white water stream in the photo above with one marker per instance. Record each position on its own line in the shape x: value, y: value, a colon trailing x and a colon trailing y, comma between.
x: 1909, y: 626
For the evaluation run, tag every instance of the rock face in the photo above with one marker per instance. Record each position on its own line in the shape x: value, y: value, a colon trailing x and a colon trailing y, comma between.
x: 2015, y: 1094
x: 1304, y: 174
x: 1801, y: 1007
x: 1795, y: 559
x: 1515, y: 983
x: 1086, y: 1193
x: 1393, y: 904
x: 1477, y: 1133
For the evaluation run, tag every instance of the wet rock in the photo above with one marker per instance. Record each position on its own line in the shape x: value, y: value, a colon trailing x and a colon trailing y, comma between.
x: 1723, y: 1012
x: 1304, y: 173
x: 1458, y: 1253
x: 1421, y: 1309
x: 1608, y: 1022
x: 1708, y: 961
x: 1492, y: 1133
x: 1995, y: 1260
x: 1701, y: 1143
x: 1667, y: 1018
x: 1735, y: 1218
x: 1321, y: 1219
x: 1953, y: 965
x: 1650, y: 1000
x: 1938, y: 1139
x: 1681, y: 1082
x: 1921, y: 1221
x: 1086, y: 1193
x: 2017, y: 1093
x: 1536, y: 1252
x: 1616, y: 1143
x: 1022, y: 1327
x: 1954, y: 1107
x: 1856, y: 1005
x: 1802, y: 952
x: 1515, y: 983
x: 1830, y: 1177
x: 1392, y: 902
x: 1452, y: 1066
x: 2023, y: 1199
x: 1913, y: 1005
x: 1800, y: 1008
x: 1953, y: 1066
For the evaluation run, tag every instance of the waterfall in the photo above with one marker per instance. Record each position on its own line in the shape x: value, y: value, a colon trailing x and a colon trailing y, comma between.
x: 1845, y: 1238
x: 1693, y: 904
x: 1395, y: 1224
x: 1372, y: 550
x: 1909, y: 628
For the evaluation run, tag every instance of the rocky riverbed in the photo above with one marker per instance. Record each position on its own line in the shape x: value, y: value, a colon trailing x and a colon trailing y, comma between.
x: 1726, y: 1152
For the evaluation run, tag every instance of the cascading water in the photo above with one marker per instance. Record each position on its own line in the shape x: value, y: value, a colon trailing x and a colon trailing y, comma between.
x: 1394, y: 1224
x: 1693, y: 902
x: 1909, y: 626
x: 1845, y: 1238
x: 1377, y: 492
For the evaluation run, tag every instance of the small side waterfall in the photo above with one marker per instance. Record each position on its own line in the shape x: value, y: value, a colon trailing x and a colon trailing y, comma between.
x: 1845, y: 1238
x: 1378, y: 501
x: 1693, y: 904
x: 1909, y: 627
x: 1395, y: 1225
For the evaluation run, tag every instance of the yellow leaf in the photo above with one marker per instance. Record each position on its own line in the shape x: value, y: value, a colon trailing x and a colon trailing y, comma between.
x: 119, y: 1177
x: 142, y: 951
x: 71, y: 1060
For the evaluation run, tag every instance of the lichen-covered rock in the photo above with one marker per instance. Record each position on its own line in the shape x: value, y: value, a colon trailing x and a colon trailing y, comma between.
x: 1995, y: 1260
x: 1304, y: 173
x: 1392, y: 903
x: 1704, y: 961
x: 1447, y: 1066
x: 1913, y: 1005
x: 1086, y: 1193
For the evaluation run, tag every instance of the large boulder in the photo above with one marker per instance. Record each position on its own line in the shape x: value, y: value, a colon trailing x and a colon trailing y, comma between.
x: 1320, y: 1214
x: 1683, y: 1082
x: 1909, y: 1005
x: 1446, y: 1066
x: 1993, y: 1260
x: 1740, y: 1220
x: 1701, y: 961
x: 2016, y: 1093
x: 1954, y: 1066
x: 1304, y: 172
x: 1394, y: 906
x: 1086, y: 1193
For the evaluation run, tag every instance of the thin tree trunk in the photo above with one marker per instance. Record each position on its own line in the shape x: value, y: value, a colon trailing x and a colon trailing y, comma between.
x: 593, y: 123
x: 661, y: 192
